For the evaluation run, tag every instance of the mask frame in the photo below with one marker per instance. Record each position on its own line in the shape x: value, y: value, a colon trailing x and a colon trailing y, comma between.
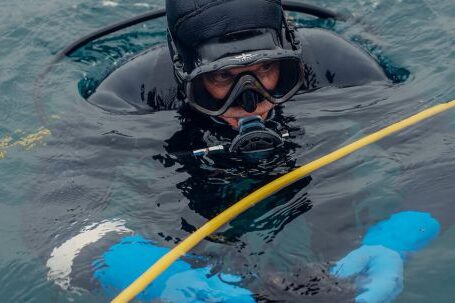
x: 184, y: 78
x: 197, y: 95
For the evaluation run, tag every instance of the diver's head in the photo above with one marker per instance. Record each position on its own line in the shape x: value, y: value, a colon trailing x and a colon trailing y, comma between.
x: 233, y: 59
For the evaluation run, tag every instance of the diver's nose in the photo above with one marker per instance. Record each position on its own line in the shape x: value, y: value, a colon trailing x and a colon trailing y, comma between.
x: 250, y: 100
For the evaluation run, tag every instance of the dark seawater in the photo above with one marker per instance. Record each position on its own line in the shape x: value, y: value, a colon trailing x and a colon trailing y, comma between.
x: 105, y: 172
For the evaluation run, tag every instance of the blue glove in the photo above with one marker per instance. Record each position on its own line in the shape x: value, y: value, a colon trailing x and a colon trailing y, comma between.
x: 378, y: 264
x: 127, y: 260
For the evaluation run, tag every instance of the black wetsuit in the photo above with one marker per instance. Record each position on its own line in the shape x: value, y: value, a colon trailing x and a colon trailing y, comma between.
x: 146, y: 83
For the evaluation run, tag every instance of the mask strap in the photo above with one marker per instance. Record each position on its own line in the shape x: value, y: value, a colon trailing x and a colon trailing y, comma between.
x: 177, y: 62
x: 290, y: 32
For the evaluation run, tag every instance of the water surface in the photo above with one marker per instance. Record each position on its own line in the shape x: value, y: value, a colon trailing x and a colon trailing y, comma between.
x: 97, y: 168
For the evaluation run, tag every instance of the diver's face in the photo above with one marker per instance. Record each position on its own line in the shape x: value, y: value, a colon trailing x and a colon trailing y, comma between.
x: 219, y: 83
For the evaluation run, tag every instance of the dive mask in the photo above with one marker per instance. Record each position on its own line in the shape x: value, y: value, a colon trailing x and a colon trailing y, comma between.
x: 242, y: 49
x: 246, y: 89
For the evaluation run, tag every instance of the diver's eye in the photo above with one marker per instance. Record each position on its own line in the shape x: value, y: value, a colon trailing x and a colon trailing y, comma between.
x: 267, y: 67
x: 220, y: 77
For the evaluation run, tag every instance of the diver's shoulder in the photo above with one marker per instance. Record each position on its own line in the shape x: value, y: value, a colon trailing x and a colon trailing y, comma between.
x: 141, y: 65
x: 340, y: 62
x: 320, y: 35
x: 322, y: 39
x: 144, y: 82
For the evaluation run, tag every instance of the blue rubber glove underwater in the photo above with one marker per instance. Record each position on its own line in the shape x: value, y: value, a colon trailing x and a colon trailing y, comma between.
x: 378, y: 264
x: 127, y: 260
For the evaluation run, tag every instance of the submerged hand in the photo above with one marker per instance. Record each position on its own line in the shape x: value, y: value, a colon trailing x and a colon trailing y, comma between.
x: 127, y: 260
x: 378, y: 264
x: 378, y: 271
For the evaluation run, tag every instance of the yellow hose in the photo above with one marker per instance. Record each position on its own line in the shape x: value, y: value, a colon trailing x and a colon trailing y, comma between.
x: 208, y: 228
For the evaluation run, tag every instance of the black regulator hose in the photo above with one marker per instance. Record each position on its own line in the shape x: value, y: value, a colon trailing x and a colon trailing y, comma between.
x: 287, y: 5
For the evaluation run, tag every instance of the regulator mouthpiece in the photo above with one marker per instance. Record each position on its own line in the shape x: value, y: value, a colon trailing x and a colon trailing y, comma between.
x: 254, y: 137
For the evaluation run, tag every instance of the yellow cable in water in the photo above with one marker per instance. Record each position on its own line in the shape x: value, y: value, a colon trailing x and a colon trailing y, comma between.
x: 208, y: 228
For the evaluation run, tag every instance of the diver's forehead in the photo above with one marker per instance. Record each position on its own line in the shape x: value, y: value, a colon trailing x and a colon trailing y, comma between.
x: 235, y: 70
x: 249, y: 68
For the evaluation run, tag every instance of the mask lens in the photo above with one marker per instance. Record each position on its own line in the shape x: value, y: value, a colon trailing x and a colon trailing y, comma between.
x: 202, y: 93
x: 291, y: 75
x: 215, y: 91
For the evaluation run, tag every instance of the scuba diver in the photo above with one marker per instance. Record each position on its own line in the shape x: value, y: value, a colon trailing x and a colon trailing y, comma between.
x: 228, y: 68
x: 229, y: 65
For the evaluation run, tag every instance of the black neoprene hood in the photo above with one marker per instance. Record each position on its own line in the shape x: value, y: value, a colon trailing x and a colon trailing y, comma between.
x: 194, y: 22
